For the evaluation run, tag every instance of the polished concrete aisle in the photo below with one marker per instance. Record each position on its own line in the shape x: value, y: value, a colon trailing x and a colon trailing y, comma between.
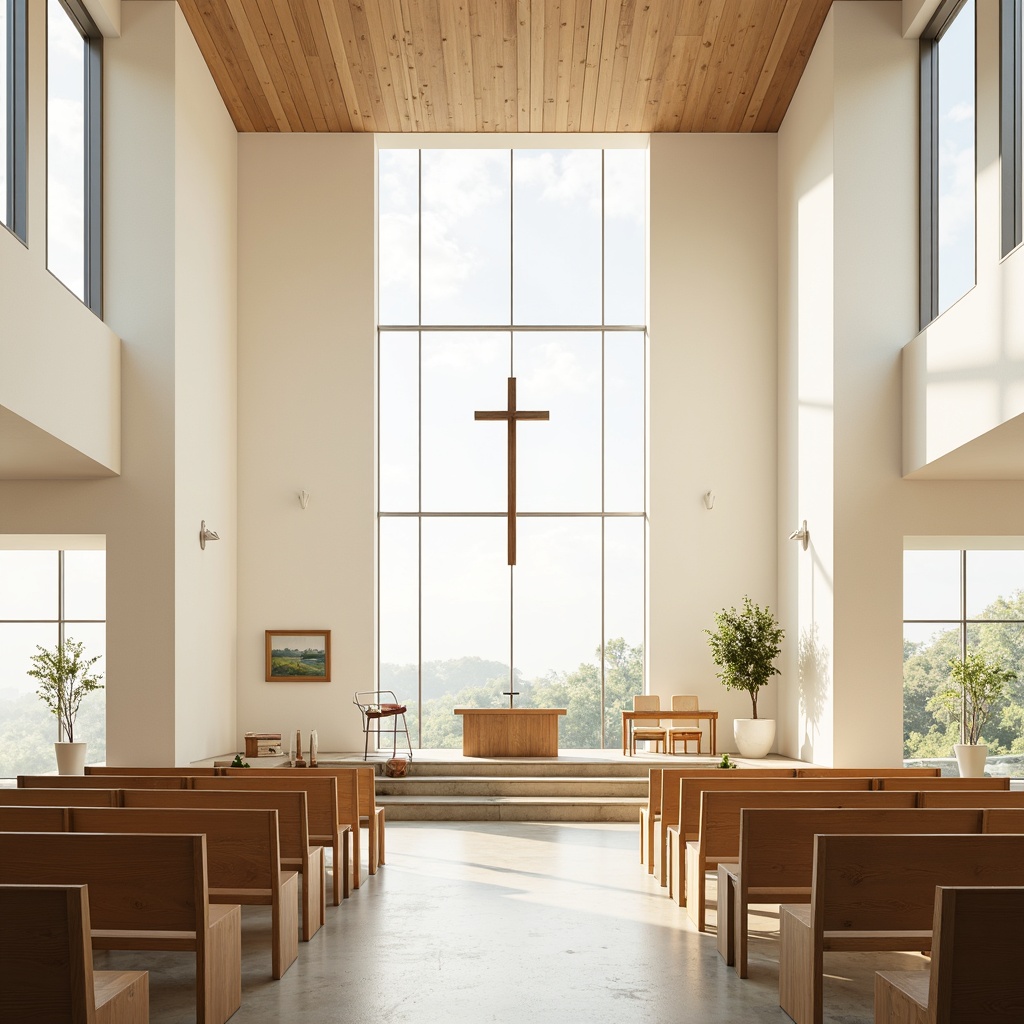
x: 509, y: 922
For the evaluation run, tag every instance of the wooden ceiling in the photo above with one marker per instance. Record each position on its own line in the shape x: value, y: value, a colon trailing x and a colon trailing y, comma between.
x: 506, y: 65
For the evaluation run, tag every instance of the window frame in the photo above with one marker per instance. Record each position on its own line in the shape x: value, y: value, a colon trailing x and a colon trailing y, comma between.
x: 16, y: 124
x: 1010, y: 126
x: 929, y: 158
x: 92, y: 279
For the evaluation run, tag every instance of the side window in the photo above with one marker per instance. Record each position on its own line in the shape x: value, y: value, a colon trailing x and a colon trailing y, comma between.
x: 12, y: 116
x: 1010, y: 126
x: 73, y: 126
x: 948, y: 166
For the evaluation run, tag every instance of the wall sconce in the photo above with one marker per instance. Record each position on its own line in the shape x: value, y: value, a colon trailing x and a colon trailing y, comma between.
x: 205, y: 535
x: 802, y: 535
x: 303, y: 498
x: 709, y: 500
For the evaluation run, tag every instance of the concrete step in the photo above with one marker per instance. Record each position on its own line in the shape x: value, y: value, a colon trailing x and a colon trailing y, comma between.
x: 513, y: 785
x: 564, y: 767
x: 518, y: 808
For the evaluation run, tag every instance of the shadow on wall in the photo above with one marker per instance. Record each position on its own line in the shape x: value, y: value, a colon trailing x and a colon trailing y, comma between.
x: 813, y: 670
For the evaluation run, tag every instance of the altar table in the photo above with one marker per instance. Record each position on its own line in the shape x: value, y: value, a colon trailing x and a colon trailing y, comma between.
x: 510, y: 732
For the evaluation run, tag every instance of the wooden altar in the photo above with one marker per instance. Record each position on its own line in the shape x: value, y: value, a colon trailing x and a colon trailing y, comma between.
x: 510, y: 732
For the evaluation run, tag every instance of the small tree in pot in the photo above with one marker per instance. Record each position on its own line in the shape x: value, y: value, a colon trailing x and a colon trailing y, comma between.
x: 744, y: 646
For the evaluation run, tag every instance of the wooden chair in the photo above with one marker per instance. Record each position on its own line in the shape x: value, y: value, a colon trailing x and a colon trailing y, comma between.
x: 652, y: 734
x: 683, y: 728
x: 975, y: 970
x: 46, y: 971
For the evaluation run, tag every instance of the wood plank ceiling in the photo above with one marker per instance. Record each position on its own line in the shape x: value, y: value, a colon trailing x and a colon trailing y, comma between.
x: 506, y: 65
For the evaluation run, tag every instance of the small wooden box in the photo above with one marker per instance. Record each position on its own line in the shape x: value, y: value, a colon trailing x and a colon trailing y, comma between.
x: 263, y: 744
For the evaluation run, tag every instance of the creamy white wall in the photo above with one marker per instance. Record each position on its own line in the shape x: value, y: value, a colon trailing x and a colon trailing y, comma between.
x: 205, y: 405
x: 712, y: 404
x: 306, y: 421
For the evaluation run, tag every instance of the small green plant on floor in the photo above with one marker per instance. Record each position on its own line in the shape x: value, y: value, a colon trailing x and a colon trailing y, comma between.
x: 238, y: 762
x: 726, y: 762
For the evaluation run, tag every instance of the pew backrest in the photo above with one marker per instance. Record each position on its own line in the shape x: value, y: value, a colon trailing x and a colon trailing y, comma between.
x: 102, y: 769
x: 903, y: 782
x: 33, y: 819
x: 1008, y: 820
x: 60, y: 797
x: 347, y: 790
x: 103, y: 782
x: 861, y: 773
x: 671, y: 778
x: 971, y: 798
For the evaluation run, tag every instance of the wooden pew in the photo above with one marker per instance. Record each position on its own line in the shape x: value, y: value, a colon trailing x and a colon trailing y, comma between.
x: 33, y: 819
x: 371, y: 816
x: 145, y: 892
x: 719, y: 831
x: 974, y: 972
x: 649, y: 816
x: 102, y: 769
x: 987, y: 783
x: 861, y: 773
x: 60, y: 797
x: 691, y: 790
x: 103, y: 782
x: 331, y: 794
x: 776, y: 855
x: 243, y: 860
x: 971, y: 798
x: 46, y: 971
x: 1006, y: 820
x: 877, y: 892
x: 293, y: 833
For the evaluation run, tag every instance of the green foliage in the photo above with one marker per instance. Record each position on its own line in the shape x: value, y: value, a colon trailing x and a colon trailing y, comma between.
x: 239, y: 763
x: 726, y: 762
x: 64, y: 679
x: 975, y: 686
x: 745, y: 645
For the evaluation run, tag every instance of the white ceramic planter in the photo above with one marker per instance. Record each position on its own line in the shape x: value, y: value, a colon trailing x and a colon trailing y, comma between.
x: 970, y: 759
x: 754, y: 736
x: 70, y: 758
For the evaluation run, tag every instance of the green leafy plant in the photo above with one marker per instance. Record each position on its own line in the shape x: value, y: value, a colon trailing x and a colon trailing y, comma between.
x: 745, y: 645
x: 974, y: 687
x: 65, y: 678
x: 239, y: 763
x: 727, y: 762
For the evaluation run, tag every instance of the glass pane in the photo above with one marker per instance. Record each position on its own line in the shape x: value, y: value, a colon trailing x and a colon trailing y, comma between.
x: 931, y: 584
x: 625, y: 238
x: 65, y: 149
x: 398, y: 629
x: 466, y: 245
x: 995, y: 584
x: 927, y: 650
x: 28, y: 585
x: 957, y: 176
x: 557, y: 637
x: 85, y: 584
x: 91, y: 725
x: 5, y: 124
x: 27, y: 729
x: 465, y: 622
x: 398, y: 236
x: 464, y: 460
x: 624, y: 422
x: 398, y: 417
x: 624, y: 589
x: 556, y: 239
x: 559, y: 460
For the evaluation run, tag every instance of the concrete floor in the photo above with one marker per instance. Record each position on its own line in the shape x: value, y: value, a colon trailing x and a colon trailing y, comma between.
x: 509, y: 922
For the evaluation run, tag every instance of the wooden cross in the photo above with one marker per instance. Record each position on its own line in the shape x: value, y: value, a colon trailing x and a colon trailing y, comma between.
x: 511, y: 415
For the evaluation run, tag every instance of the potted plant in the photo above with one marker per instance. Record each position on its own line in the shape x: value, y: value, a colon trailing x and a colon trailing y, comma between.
x: 970, y: 694
x: 745, y: 645
x: 65, y: 678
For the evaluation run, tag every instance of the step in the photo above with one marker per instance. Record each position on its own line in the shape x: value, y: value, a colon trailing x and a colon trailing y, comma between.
x: 635, y: 768
x: 501, y: 808
x: 512, y: 785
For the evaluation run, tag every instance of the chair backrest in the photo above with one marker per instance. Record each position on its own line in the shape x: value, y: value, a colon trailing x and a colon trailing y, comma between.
x: 685, y: 702
x: 46, y: 954
x: 646, y: 702
x: 974, y: 973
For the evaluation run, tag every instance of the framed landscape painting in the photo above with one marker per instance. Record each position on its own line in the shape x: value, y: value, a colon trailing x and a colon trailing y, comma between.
x: 298, y: 655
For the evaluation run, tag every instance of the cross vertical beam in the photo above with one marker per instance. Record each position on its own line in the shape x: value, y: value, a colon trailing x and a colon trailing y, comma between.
x: 512, y: 415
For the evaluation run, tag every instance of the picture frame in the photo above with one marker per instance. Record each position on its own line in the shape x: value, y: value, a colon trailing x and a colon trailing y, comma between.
x: 298, y: 655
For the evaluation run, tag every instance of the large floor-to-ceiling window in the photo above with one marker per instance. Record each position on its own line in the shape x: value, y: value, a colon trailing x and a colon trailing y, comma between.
x: 51, y: 590
x: 525, y: 264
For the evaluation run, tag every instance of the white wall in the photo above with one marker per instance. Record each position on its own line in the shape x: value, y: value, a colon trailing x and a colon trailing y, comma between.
x: 712, y: 405
x: 306, y: 421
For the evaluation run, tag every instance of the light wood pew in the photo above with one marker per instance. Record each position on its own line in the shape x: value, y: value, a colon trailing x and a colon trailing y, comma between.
x: 347, y: 815
x: 243, y: 860
x: 46, y: 971
x: 987, y: 783
x: 719, y: 832
x: 649, y: 816
x: 687, y: 815
x: 102, y: 769
x: 877, y: 892
x: 371, y: 816
x: 293, y: 833
x: 103, y: 782
x: 776, y: 856
x: 974, y: 973
x: 33, y: 819
x: 1007, y: 820
x: 861, y: 773
x: 146, y: 892
x: 971, y: 798
x: 670, y: 779
x: 60, y: 797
